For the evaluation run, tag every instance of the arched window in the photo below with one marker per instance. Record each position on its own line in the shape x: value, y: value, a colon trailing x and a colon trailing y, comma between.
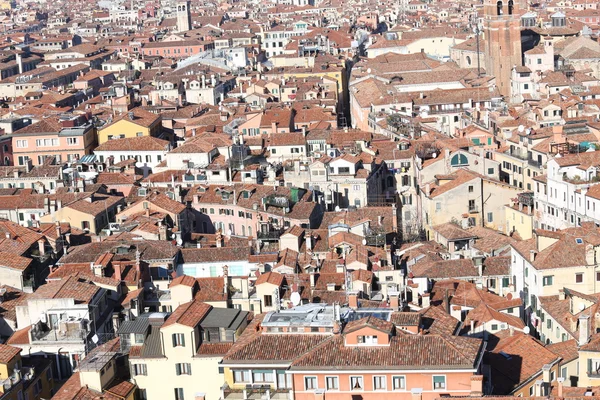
x: 458, y: 160
x: 511, y: 5
x: 468, y: 60
x: 499, y: 7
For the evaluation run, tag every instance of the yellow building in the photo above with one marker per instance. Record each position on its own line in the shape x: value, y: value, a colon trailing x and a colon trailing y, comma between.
x: 7, y: 4
x: 136, y: 122
x: 91, y: 213
x: 519, y: 216
x: 33, y: 381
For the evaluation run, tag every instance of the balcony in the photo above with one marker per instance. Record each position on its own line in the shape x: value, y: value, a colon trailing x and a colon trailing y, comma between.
x: 473, y: 209
x: 55, y: 335
x: 271, y: 234
x: 254, y: 392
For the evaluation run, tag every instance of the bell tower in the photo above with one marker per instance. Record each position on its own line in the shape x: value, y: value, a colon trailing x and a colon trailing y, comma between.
x: 184, y: 18
x: 502, y: 28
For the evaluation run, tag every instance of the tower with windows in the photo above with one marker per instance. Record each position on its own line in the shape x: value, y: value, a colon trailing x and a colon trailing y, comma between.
x: 502, y: 41
x: 184, y: 18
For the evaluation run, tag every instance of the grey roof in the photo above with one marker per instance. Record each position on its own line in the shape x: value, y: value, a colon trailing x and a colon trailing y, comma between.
x: 152, y: 347
x: 139, y: 325
x: 224, y: 318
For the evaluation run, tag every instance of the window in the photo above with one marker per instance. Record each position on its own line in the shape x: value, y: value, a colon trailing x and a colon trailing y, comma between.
x: 139, y: 369
x: 183, y: 369
x: 261, y: 376
x: 72, y: 141
x: 367, y: 339
x: 241, y: 376
x: 310, y: 383
x: 490, y: 217
x: 439, y: 382
x: 490, y: 171
x: 178, y: 340
x: 268, y: 300
x: 379, y: 383
x: 21, y: 143
x: 179, y: 394
x: 139, y: 338
x: 471, y: 189
x: 578, y: 278
x: 547, y: 280
x: 143, y: 394
x: 343, y: 170
x: 332, y: 382
x: 356, y: 383
x: 399, y: 382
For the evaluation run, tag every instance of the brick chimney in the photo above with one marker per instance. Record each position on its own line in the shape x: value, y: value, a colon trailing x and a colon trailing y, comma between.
x: 353, y: 300
x: 560, y: 386
x: 394, y: 301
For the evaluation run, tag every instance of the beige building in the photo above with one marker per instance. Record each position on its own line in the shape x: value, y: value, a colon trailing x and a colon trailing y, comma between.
x: 169, y: 352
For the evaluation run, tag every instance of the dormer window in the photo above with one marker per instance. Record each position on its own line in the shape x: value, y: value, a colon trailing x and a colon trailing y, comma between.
x: 368, y: 339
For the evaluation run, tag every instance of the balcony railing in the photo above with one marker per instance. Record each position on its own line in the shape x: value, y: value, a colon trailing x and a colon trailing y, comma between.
x: 473, y: 209
x: 270, y: 234
x: 55, y: 335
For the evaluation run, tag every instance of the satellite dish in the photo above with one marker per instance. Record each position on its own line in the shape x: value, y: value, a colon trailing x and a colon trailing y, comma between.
x: 337, y: 208
x: 368, y: 70
x: 521, y: 128
x: 295, y: 298
x: 527, y: 131
x: 526, y: 330
x: 229, y: 232
x: 95, y: 339
x: 364, y: 242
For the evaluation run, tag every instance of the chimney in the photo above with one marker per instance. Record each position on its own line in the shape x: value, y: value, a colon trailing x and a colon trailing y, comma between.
x: 584, y: 329
x: 380, y: 220
x: 427, y: 190
x: 308, y: 240
x: 394, y: 217
x: 130, y: 115
x: 416, y: 393
x: 273, y: 127
x: 28, y: 165
x: 353, y: 300
x: 312, y: 279
x: 425, y: 300
x: 331, y: 287
x: 546, y: 373
x: 58, y: 234
x: 68, y: 237
x: 304, y: 131
x: 538, y: 388
x: 532, y: 255
x: 42, y: 246
x: 560, y: 386
x: 225, y: 279
x: 561, y: 294
x: 394, y: 300
x: 219, y: 238
x: 162, y: 232
x: 477, y: 385
x: 117, y: 268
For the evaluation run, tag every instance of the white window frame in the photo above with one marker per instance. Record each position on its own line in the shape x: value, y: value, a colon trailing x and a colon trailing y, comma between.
x: 380, y: 378
x: 337, y: 382
x: 314, y: 386
x: 245, y: 376
x: 361, y: 381
x: 402, y: 379
x: 433, y: 382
